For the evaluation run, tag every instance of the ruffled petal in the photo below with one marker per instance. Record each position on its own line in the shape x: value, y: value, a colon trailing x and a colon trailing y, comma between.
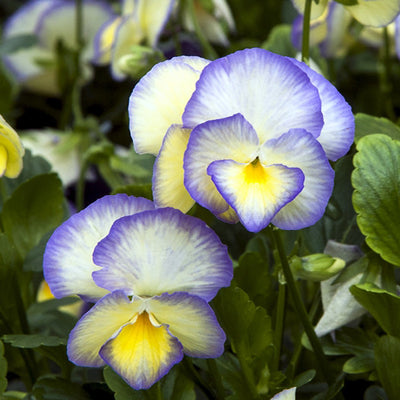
x: 104, y: 40
x: 375, y: 12
x: 254, y: 191
x: 337, y: 133
x: 168, y: 187
x: 142, y: 352
x: 270, y: 92
x: 103, y: 321
x: 160, y: 251
x: 298, y: 149
x: 230, y: 138
x: 67, y: 261
x: 158, y: 100
x: 192, y: 321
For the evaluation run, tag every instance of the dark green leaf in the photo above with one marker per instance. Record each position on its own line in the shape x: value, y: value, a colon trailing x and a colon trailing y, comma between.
x: 375, y: 393
x: 279, y: 41
x: 3, y: 370
x: 359, y: 364
x: 387, y: 356
x: 381, y: 304
x: 137, y: 190
x: 35, y: 208
x: 377, y: 196
x: 347, y: 2
x: 56, y: 388
x: 368, y: 124
x: 32, y: 341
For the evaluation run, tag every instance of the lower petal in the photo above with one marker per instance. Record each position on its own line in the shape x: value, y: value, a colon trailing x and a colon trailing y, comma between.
x: 192, y: 321
x: 168, y: 187
x: 142, y: 352
x: 254, y: 191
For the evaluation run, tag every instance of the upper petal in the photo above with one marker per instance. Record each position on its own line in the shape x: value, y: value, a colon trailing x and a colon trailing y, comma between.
x: 67, y: 261
x: 162, y: 251
x: 142, y: 352
x: 337, y: 133
x: 192, y: 321
x: 270, y: 92
x: 298, y: 149
x: 168, y: 187
x: 375, y: 12
x: 103, y: 321
x: 229, y: 138
x: 254, y: 191
x: 158, y: 100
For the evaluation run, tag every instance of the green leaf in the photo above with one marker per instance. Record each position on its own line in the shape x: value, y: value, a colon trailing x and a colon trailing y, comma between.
x: 375, y: 393
x: 347, y: 2
x: 3, y: 370
x: 359, y: 364
x: 14, y: 43
x: 279, y: 41
x: 368, y: 124
x: 56, y: 388
x: 387, y: 356
x: 376, y: 197
x: 137, y: 190
x: 33, y: 341
x: 35, y: 208
x: 382, y: 305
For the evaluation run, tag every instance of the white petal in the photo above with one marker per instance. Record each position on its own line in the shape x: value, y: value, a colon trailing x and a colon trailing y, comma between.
x: 375, y: 12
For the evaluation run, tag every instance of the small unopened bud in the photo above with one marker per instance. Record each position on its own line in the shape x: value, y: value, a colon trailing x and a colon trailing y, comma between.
x: 316, y: 267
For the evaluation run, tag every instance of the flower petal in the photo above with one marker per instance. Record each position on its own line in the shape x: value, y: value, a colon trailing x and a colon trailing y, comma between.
x: 162, y: 251
x: 316, y: 9
x: 192, y: 321
x: 270, y: 92
x: 168, y: 187
x: 298, y: 149
x: 67, y: 261
x: 288, y: 394
x: 337, y: 133
x: 229, y: 138
x: 142, y: 353
x: 104, y: 39
x: 375, y: 12
x: 98, y: 325
x: 158, y: 100
x: 254, y: 191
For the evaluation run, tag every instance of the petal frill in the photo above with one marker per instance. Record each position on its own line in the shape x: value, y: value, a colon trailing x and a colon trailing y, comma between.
x: 230, y: 138
x: 267, y: 89
x: 192, y: 321
x: 159, y: 99
x: 160, y: 251
x: 337, y: 133
x: 153, y: 15
x: 168, y: 187
x: 142, y: 352
x: 254, y: 191
x: 67, y: 261
x: 375, y: 12
x: 102, y: 322
x: 298, y: 149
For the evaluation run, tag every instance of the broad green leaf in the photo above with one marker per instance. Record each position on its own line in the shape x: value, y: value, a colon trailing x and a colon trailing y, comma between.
x: 14, y: 395
x: 368, y: 124
x: 381, y: 304
x: 3, y: 370
x: 56, y: 388
x: 387, y: 356
x: 34, y: 208
x: 359, y: 364
x: 33, y: 341
x: 279, y: 41
x: 376, y: 198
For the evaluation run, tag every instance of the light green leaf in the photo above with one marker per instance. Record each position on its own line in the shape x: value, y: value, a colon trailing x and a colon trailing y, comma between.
x: 33, y: 341
x: 34, y: 208
x: 279, y: 41
x: 381, y: 304
x: 387, y: 356
x: 376, y: 198
x: 3, y: 369
x: 138, y: 190
x: 359, y: 364
x: 368, y: 124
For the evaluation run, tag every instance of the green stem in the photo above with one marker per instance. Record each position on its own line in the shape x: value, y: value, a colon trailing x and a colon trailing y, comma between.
x: 216, y: 378
x: 248, y: 374
x: 388, y: 277
x: 209, y: 51
x: 75, y: 95
x: 279, y: 324
x: 300, y: 308
x: 197, y: 378
x: 305, y: 44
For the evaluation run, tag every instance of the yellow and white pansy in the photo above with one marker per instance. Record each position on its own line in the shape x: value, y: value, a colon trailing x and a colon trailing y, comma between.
x: 51, y: 21
x: 152, y: 273
x: 11, y: 151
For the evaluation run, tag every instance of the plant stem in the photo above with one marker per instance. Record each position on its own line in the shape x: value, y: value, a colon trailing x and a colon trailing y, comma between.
x: 197, y: 378
x: 300, y: 308
x: 279, y: 324
x: 248, y: 374
x: 75, y: 95
x: 216, y: 377
x: 305, y: 44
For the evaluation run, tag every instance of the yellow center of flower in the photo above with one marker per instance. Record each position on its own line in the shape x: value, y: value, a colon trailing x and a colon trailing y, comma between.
x: 255, y: 173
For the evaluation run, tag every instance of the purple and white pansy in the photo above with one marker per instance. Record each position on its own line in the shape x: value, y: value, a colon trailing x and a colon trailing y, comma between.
x: 250, y: 137
x: 152, y: 273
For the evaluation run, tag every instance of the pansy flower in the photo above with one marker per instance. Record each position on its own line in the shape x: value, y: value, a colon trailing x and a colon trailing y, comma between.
x: 11, y: 151
x: 256, y: 138
x: 51, y: 21
x: 140, y: 22
x: 152, y: 273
